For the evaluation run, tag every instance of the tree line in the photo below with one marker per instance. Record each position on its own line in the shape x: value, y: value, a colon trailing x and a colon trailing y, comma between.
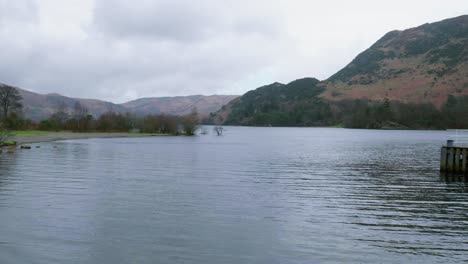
x: 78, y: 118
x: 394, y: 114
x: 358, y: 113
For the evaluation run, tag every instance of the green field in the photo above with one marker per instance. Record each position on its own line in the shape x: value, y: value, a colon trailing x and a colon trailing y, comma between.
x: 30, y: 133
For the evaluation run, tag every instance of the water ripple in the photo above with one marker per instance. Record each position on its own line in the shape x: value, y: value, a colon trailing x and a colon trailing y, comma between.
x: 255, y: 195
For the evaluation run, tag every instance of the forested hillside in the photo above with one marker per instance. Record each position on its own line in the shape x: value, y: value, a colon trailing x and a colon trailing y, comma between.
x: 416, y: 78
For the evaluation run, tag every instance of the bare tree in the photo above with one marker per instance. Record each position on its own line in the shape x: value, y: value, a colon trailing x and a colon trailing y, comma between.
x: 81, y: 119
x: 218, y: 130
x: 61, y: 115
x: 10, y: 100
x: 79, y: 111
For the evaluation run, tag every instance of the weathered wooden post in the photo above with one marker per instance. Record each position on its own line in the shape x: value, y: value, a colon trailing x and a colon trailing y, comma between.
x: 454, y: 159
x: 450, y: 158
x: 443, y: 159
x: 464, y: 160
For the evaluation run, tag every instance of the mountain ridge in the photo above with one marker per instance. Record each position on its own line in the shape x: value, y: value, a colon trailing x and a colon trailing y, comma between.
x: 419, y: 70
x: 38, y: 106
x: 427, y: 64
x: 424, y: 64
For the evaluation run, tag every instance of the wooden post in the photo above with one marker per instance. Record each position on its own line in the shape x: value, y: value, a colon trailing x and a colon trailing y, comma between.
x: 454, y: 160
x: 450, y: 159
x: 443, y: 159
x: 464, y: 160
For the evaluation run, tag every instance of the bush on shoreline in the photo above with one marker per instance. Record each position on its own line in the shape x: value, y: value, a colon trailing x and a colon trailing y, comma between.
x: 119, y: 122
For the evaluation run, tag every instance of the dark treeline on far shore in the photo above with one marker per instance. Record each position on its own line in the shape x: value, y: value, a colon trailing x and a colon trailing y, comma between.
x: 78, y: 119
x: 393, y: 114
x: 353, y: 113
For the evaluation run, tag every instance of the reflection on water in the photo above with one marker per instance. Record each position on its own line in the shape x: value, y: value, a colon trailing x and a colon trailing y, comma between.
x: 456, y: 182
x: 255, y: 195
x: 453, y: 178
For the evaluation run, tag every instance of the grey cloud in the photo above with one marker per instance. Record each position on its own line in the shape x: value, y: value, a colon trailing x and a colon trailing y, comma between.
x: 123, y: 70
x: 184, y: 20
x: 119, y: 50
x: 121, y: 58
x: 13, y: 12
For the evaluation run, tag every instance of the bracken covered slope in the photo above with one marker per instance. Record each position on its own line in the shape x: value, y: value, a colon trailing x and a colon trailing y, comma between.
x: 418, y: 65
x: 425, y: 65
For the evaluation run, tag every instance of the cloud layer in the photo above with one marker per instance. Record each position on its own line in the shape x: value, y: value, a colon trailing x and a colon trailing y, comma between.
x: 119, y: 50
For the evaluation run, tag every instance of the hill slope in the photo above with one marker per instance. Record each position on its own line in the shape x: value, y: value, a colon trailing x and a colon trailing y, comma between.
x: 422, y: 64
x: 414, y: 78
x: 40, y: 106
x: 277, y: 104
x: 179, y: 105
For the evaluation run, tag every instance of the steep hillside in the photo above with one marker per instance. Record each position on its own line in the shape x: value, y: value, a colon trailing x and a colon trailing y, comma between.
x: 277, y: 104
x: 405, y: 72
x: 179, y: 105
x: 422, y: 64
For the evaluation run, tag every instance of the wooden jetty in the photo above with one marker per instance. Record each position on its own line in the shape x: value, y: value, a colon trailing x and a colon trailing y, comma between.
x: 454, y: 156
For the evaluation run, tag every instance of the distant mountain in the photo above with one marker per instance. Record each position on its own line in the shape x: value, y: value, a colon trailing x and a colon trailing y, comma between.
x: 422, y: 64
x: 41, y: 106
x: 179, y: 105
x: 38, y: 106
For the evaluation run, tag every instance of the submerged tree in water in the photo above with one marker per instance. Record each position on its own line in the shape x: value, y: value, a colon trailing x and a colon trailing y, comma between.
x: 218, y: 130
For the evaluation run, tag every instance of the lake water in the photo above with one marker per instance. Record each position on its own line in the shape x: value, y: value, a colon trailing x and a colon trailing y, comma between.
x: 255, y: 195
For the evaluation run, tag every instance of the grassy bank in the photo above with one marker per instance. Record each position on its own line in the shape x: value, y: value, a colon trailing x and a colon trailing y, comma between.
x: 31, y: 133
x: 36, y: 136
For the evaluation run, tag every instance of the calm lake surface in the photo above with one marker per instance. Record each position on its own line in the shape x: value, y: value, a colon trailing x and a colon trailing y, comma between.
x: 255, y: 195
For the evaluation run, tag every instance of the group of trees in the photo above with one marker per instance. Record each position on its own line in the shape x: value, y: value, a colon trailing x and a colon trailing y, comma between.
x: 311, y: 111
x: 359, y: 113
x: 299, y: 103
x: 78, y: 118
x: 368, y: 114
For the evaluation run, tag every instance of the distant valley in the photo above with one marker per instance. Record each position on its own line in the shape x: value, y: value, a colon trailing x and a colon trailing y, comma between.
x: 40, y: 106
x: 415, y: 78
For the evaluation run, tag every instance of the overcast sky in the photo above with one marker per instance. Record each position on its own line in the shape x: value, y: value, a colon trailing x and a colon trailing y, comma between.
x: 119, y: 50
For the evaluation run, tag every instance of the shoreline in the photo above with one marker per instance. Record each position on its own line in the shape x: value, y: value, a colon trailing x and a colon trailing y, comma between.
x: 58, y: 136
